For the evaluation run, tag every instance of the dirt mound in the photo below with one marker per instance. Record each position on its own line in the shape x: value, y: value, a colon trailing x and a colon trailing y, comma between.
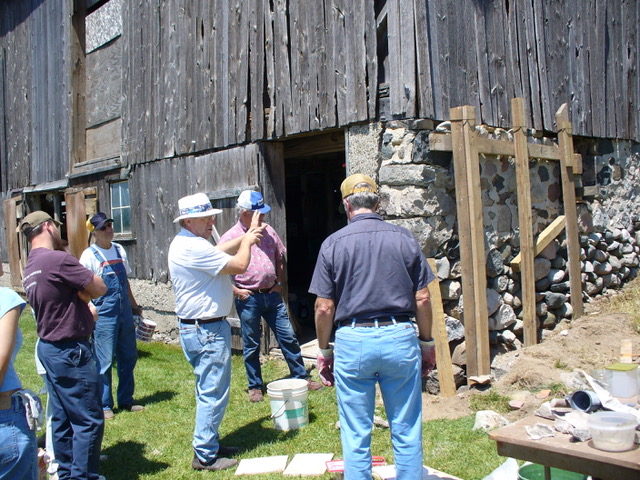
x: 590, y: 342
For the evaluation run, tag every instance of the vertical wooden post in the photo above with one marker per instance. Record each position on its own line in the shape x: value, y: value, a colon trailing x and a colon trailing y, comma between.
x: 527, y: 274
x: 567, y: 162
x: 471, y: 233
x: 76, y: 223
x: 443, y: 354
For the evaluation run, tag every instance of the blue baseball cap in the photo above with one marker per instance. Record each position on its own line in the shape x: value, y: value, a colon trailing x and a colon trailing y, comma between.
x: 252, y: 200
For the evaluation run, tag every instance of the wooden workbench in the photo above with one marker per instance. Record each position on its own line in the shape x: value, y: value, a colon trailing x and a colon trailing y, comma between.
x: 559, y: 452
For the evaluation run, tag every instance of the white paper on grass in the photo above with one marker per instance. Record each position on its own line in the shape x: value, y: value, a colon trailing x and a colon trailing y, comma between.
x: 308, y: 464
x: 388, y: 472
x: 254, y: 466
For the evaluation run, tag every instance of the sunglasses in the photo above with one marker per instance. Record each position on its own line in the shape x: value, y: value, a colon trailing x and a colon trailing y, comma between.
x: 108, y: 225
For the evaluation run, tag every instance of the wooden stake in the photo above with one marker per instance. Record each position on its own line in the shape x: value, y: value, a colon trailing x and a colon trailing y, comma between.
x: 525, y: 224
x: 443, y: 354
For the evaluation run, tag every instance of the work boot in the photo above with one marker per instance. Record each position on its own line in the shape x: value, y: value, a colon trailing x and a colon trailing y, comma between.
x: 132, y: 408
x: 220, y: 463
x: 255, y: 395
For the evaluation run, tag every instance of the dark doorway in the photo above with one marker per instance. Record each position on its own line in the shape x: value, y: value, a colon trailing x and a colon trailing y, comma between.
x: 312, y: 203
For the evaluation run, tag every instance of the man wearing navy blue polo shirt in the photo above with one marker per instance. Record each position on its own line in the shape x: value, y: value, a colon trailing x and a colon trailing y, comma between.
x: 371, y: 282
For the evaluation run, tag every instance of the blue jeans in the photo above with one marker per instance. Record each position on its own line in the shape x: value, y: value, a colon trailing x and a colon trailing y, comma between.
x: 208, y: 350
x: 116, y: 336
x: 77, y: 419
x: 390, y: 356
x: 18, y: 447
x: 270, y: 307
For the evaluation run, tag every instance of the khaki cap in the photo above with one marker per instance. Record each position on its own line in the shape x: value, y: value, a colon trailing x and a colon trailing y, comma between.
x: 348, y: 186
x: 34, y: 220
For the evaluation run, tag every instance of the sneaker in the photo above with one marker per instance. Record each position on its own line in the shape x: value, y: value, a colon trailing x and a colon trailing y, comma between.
x: 220, y: 463
x: 255, y: 395
x: 313, y: 385
x: 224, y: 451
x: 108, y: 414
x: 132, y: 408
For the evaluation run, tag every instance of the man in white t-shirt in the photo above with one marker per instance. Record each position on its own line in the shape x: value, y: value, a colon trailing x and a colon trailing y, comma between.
x: 201, y: 277
x: 115, y: 335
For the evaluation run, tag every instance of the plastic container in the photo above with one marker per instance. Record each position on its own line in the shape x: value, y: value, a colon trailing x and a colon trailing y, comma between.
x: 533, y: 471
x: 289, y: 403
x: 623, y: 380
x: 144, y: 328
x: 613, y: 431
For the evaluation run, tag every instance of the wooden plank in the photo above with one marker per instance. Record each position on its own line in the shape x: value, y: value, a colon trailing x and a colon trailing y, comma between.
x: 13, y: 245
x: 443, y: 354
x: 477, y: 243
x: 525, y: 222
x: 76, y: 223
x: 336, y: 10
x: 424, y: 89
x: 104, y: 83
x: 257, y: 69
x: 270, y: 130
x: 442, y: 142
x: 104, y: 142
x: 286, y: 123
x: 552, y: 231
x: 371, y: 48
x: 565, y: 143
x: 457, y: 116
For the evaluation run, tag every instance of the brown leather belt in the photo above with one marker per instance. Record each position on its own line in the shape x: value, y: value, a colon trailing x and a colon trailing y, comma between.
x: 375, y: 322
x: 200, y: 321
x: 261, y: 290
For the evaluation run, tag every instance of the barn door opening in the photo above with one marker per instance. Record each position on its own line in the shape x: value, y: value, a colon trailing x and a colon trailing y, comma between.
x: 312, y: 182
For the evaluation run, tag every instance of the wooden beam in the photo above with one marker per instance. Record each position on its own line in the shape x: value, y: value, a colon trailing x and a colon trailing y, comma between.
x: 441, y: 142
x: 525, y: 223
x: 13, y: 245
x: 545, y: 238
x: 471, y: 233
x: 443, y: 354
x: 565, y: 144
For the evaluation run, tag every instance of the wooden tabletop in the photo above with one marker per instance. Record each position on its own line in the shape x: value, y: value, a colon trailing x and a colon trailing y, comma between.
x: 559, y: 452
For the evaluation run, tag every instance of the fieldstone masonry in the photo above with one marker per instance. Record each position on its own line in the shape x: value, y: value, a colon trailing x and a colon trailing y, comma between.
x: 418, y: 192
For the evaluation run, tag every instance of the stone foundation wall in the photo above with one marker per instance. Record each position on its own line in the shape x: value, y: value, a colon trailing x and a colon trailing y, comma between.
x: 418, y: 192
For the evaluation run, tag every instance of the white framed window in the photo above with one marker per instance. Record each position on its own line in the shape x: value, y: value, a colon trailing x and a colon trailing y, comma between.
x: 121, y: 208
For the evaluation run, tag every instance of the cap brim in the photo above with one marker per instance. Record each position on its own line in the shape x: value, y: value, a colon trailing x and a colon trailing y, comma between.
x: 208, y: 213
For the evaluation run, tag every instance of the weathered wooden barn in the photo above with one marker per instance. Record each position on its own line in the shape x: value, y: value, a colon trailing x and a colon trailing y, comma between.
x: 125, y: 106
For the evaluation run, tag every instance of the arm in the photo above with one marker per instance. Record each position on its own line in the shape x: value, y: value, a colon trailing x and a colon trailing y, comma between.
x: 240, y: 261
x: 8, y: 329
x: 325, y: 310
x: 232, y: 246
x: 424, y: 318
x: 96, y: 288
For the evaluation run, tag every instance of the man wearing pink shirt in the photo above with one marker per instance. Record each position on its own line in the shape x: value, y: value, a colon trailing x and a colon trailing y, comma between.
x: 258, y: 293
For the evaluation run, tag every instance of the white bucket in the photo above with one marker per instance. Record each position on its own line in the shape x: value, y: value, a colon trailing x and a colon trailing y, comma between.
x: 144, y: 328
x: 289, y: 403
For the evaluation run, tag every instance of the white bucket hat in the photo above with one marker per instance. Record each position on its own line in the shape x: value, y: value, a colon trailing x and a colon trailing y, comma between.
x: 195, y: 206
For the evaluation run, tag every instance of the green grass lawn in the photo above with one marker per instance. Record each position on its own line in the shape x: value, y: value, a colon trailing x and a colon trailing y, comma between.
x: 156, y: 443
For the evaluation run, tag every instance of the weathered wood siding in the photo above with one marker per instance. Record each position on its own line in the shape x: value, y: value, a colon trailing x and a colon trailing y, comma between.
x: 199, y: 76
x: 34, y: 84
x: 156, y: 188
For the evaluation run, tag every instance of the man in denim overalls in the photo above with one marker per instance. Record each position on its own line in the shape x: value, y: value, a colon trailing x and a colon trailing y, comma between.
x: 114, y: 335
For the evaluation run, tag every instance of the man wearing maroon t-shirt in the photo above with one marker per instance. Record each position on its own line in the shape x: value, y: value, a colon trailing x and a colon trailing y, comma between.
x: 59, y: 288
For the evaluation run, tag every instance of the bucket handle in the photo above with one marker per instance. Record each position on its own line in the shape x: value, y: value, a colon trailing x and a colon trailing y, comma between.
x: 280, y: 410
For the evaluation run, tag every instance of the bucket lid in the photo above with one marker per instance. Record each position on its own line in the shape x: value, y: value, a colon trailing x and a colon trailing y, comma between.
x: 622, y: 367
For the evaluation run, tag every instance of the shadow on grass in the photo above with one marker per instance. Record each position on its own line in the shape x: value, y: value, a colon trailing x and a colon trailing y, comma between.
x: 130, y: 454
x: 255, y: 434
x: 157, y: 397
